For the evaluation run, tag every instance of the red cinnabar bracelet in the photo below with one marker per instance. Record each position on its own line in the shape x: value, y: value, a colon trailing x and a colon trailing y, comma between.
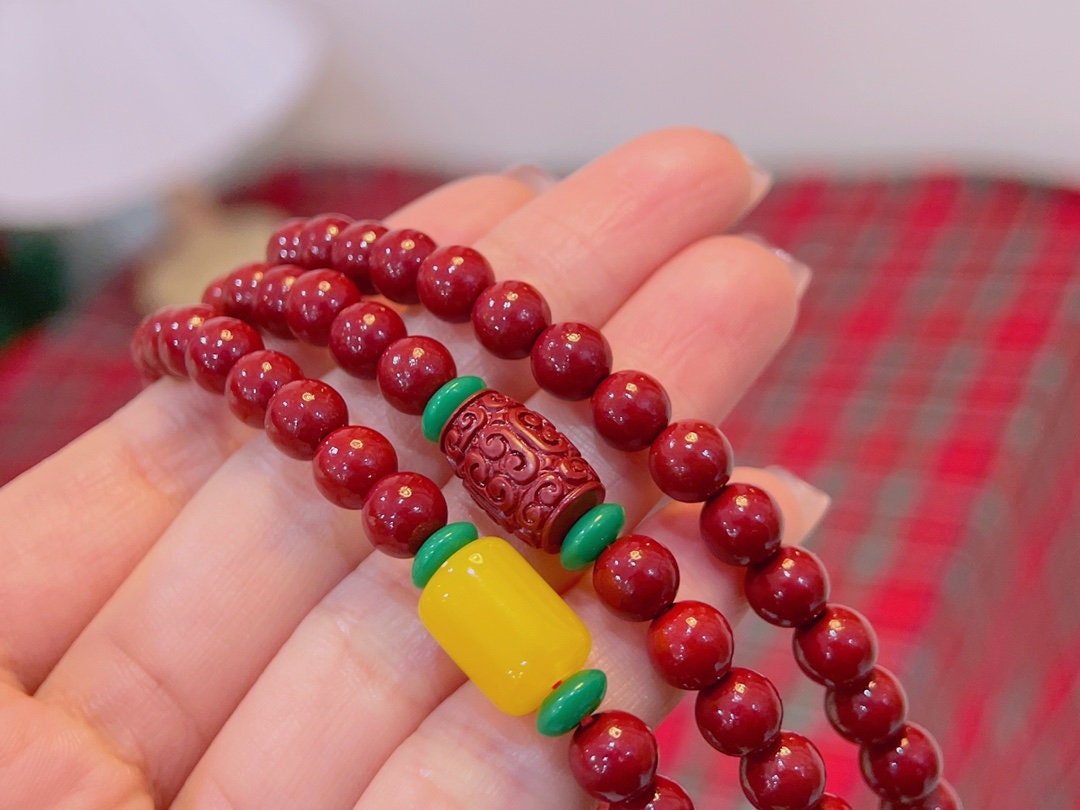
x: 531, y: 480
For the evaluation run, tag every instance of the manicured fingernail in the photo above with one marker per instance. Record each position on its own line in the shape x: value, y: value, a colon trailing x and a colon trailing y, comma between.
x: 760, y: 183
x: 532, y: 176
x: 801, y: 273
x: 811, y: 502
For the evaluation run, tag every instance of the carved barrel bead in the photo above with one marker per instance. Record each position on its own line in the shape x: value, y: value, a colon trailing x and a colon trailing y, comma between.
x: 520, y: 469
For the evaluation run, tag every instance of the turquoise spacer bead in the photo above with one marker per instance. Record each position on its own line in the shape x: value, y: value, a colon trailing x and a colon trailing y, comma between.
x: 439, y: 548
x: 445, y: 402
x: 571, y: 702
x: 594, y: 531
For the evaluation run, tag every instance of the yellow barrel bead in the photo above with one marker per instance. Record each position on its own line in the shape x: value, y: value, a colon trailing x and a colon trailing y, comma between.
x: 503, y: 624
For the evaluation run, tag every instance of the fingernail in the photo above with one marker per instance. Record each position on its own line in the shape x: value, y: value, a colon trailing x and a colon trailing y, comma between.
x: 532, y: 176
x: 760, y: 183
x: 800, y: 273
x: 811, y: 502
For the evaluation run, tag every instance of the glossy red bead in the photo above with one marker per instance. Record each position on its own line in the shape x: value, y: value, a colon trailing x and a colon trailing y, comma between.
x: 143, y: 346
x: 395, y: 260
x: 788, y: 775
x: 836, y: 648
x: 178, y: 324
x: 283, y: 246
x: 214, y: 295
x: 903, y: 767
x: 351, y: 252
x: 789, y: 589
x: 450, y: 280
x: 301, y: 414
x: 943, y: 797
x: 403, y: 510
x: 348, y: 463
x: 690, y: 460
x: 269, y: 312
x: 316, y: 238
x: 361, y: 333
x: 830, y: 802
x: 662, y: 794
x: 636, y: 577
x: 613, y: 756
x: 570, y: 359
x: 507, y: 318
x: 629, y: 409
x: 690, y: 645
x: 240, y: 291
x: 868, y: 709
x: 740, y: 713
x: 314, y: 301
x: 214, y: 348
x: 741, y: 525
x: 254, y: 379
x: 412, y: 369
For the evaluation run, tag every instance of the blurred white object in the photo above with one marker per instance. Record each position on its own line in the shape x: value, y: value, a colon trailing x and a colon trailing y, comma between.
x: 106, y: 104
x: 847, y: 85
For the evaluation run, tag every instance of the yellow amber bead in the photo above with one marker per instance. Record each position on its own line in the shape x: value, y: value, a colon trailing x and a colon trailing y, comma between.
x: 503, y: 624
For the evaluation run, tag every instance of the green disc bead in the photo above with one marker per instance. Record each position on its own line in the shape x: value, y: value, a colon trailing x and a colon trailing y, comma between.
x: 571, y: 702
x: 439, y: 548
x: 445, y: 402
x: 594, y: 531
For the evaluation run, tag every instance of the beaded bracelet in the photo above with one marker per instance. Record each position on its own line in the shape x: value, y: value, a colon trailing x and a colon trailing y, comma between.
x: 312, y: 288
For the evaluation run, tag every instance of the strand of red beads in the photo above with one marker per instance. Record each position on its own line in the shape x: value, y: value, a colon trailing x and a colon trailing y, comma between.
x: 295, y: 295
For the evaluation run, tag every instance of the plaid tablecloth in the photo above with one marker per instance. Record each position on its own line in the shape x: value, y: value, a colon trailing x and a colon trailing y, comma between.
x: 932, y: 388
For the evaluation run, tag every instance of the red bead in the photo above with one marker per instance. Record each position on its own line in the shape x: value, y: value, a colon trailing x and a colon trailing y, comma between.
x: 741, y: 525
x: 869, y: 708
x: 943, y: 797
x: 315, y: 239
x: 830, y: 802
x: 788, y: 775
x: 177, y: 327
x: 241, y: 291
x: 284, y: 244
x: 412, y: 369
x: 143, y: 346
x: 403, y: 510
x: 613, y: 756
x: 270, y: 302
x: 629, y: 410
x: 214, y: 348
x: 314, y: 301
x: 838, y: 647
x: 662, y: 794
x: 254, y: 379
x: 740, y: 713
x: 903, y: 767
x: 690, y: 645
x: 570, y: 359
x: 508, y: 317
x: 450, y: 280
x: 789, y: 589
x: 636, y: 577
x: 351, y: 253
x: 348, y: 463
x: 395, y: 259
x: 214, y: 295
x: 361, y: 333
x: 690, y: 460
x: 301, y: 414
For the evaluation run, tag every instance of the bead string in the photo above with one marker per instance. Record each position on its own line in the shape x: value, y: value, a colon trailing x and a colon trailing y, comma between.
x: 295, y: 295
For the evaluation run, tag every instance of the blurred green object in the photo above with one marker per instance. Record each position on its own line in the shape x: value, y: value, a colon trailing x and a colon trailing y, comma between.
x: 31, y: 281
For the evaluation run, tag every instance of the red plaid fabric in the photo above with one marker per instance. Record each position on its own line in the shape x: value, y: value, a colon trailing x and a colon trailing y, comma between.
x: 930, y: 388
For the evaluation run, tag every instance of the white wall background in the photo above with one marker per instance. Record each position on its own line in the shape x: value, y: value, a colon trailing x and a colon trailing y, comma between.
x: 990, y: 85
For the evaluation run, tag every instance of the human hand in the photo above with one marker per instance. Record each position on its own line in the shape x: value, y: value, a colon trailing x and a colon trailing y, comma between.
x: 185, y: 620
